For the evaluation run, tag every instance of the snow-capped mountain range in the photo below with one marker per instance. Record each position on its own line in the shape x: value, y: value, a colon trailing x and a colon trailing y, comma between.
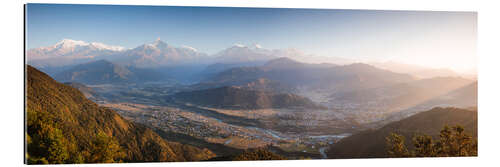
x: 69, y: 52
x: 240, y: 53
x: 155, y: 54
x: 72, y: 48
x: 187, y: 63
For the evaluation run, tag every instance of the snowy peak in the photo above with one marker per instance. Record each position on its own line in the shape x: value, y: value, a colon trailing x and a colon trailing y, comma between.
x: 237, y: 45
x: 159, y: 44
x: 256, y: 46
x: 107, y: 47
x: 247, y: 48
x: 71, y: 44
x: 158, y: 53
x: 189, y: 48
x: 253, y: 46
x: 155, y: 45
x: 69, y: 52
x: 255, y: 53
x: 241, y: 53
x: 155, y: 53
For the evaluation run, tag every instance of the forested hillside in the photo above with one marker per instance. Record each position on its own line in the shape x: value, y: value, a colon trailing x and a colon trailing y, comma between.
x: 372, y: 143
x: 65, y: 127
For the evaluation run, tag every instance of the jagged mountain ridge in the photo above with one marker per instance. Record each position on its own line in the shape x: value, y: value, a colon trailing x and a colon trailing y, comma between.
x: 71, y: 52
x: 158, y: 54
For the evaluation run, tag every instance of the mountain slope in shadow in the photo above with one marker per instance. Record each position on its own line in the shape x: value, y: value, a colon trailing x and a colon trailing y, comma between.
x: 372, y: 144
x: 239, y: 98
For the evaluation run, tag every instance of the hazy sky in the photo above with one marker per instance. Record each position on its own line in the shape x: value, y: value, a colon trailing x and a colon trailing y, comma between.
x: 434, y: 39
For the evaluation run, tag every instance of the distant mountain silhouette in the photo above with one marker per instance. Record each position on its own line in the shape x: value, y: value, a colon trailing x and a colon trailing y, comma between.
x: 283, y: 63
x: 106, y: 72
x: 416, y: 70
x: 404, y: 95
x: 236, y: 97
x: 60, y: 118
x: 371, y: 143
x: 216, y: 68
x: 321, y: 76
x: 97, y: 72
x: 463, y: 97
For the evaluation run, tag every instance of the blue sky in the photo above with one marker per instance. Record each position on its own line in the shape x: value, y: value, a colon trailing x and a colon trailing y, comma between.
x: 437, y: 39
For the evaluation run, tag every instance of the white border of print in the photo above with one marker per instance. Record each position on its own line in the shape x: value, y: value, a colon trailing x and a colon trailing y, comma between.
x: 11, y: 68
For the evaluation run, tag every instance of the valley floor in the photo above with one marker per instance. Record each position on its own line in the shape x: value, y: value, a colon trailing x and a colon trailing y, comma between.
x: 234, y: 129
x: 294, y: 132
x: 301, y: 132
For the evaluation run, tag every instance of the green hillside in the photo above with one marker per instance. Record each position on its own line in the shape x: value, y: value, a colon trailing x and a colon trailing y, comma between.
x: 65, y: 127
